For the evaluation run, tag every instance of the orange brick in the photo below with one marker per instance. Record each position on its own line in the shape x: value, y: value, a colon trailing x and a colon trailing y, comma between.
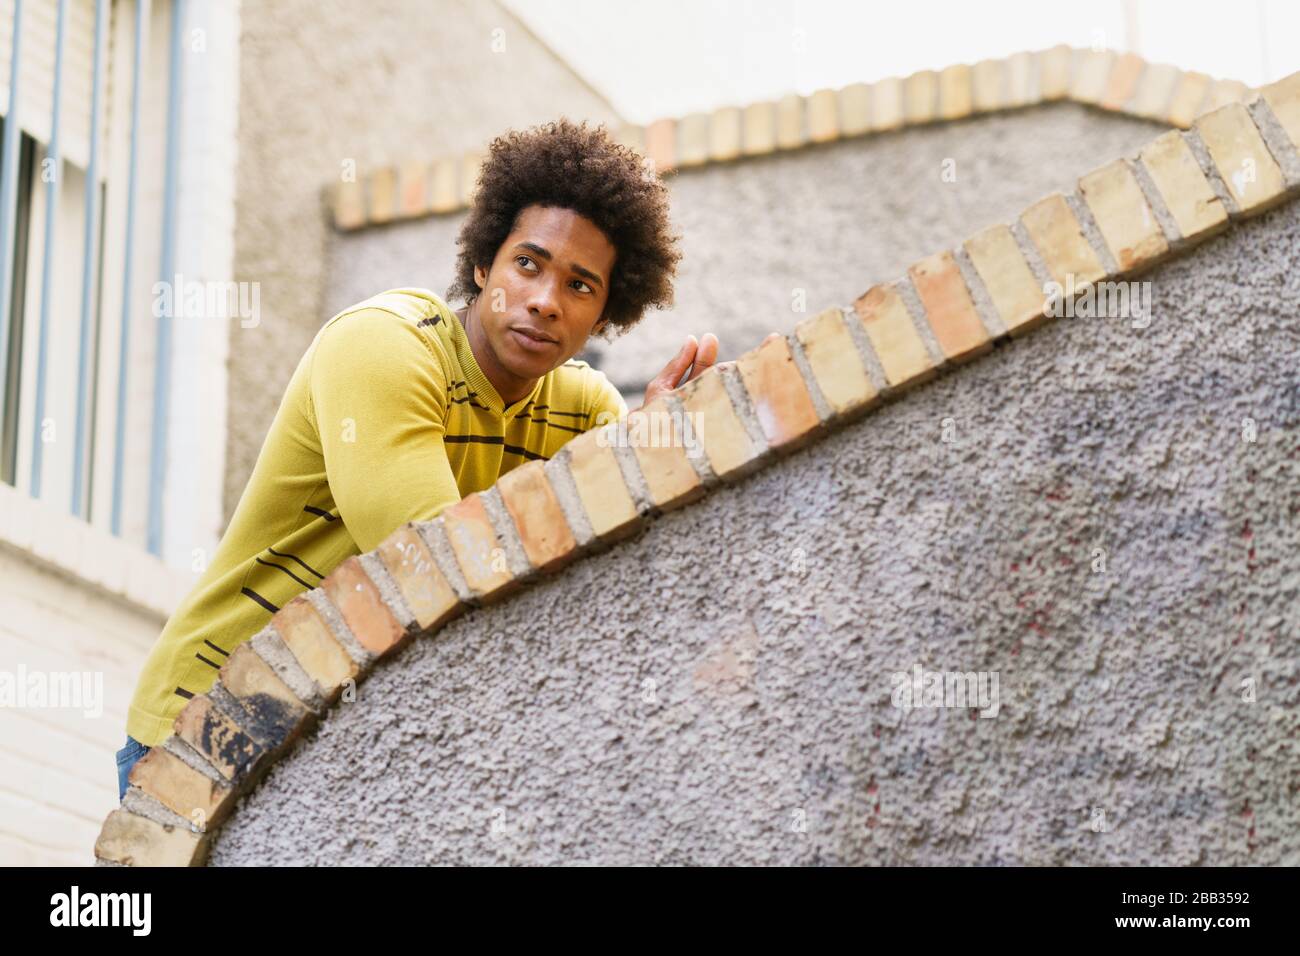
x: 955, y: 93
x: 1283, y: 98
x: 1054, y: 72
x: 920, y: 96
x: 835, y: 362
x: 414, y: 198
x: 225, y: 744
x: 1070, y: 260
x: 948, y: 307
x: 363, y: 609
x: 659, y: 445
x: 823, y: 117
x: 1125, y: 219
x: 543, y: 529
x: 777, y: 391
x: 313, y: 646
x: 423, y: 585
x: 138, y: 841
x: 182, y: 789
x: 349, y: 205
x: 1188, y: 97
x: 1192, y: 202
x: 276, y: 713
x: 1122, y: 82
x: 1007, y: 277
x: 383, y: 195
x: 480, y: 555
x: 895, y: 340
x: 728, y: 447
x: 661, y: 144
x: 599, y: 480
x: 1243, y: 160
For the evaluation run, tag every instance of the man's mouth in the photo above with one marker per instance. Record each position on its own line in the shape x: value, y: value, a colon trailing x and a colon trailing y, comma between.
x: 532, y: 338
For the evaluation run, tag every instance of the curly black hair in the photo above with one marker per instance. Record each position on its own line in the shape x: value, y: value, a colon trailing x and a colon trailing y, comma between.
x: 572, y: 166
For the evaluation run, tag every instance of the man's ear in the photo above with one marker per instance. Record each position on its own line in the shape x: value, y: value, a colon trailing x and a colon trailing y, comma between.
x: 480, y: 276
x: 599, y: 325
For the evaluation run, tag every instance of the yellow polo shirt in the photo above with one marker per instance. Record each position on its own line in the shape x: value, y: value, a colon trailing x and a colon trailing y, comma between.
x: 387, y: 419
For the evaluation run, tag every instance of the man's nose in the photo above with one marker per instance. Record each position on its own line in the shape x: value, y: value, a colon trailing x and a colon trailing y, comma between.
x: 544, y: 299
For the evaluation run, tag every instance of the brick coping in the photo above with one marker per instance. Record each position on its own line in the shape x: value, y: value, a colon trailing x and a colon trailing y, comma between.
x: 1116, y: 82
x: 609, y: 483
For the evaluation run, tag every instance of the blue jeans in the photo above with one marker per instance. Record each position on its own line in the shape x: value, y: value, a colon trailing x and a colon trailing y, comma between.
x: 126, y: 758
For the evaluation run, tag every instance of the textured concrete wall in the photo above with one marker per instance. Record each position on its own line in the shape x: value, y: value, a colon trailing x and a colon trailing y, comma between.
x: 718, y: 689
x: 830, y: 220
x: 376, y: 83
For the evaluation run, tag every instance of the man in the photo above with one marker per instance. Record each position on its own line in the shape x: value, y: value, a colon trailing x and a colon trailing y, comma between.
x: 400, y: 407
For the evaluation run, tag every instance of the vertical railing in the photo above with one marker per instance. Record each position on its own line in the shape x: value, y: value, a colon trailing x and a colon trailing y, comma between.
x: 88, y: 259
x: 55, y: 160
x: 124, y: 347
x: 9, y: 197
x: 162, y: 360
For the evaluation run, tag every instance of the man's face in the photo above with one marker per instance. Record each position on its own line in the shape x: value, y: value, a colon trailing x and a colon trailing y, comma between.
x: 545, y: 291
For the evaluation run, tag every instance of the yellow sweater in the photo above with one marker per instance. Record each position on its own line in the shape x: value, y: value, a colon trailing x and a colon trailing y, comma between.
x: 387, y: 418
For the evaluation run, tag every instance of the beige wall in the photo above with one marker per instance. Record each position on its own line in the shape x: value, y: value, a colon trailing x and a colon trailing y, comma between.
x: 325, y: 83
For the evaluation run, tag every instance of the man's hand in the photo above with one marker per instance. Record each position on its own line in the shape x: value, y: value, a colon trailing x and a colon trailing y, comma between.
x: 696, y: 356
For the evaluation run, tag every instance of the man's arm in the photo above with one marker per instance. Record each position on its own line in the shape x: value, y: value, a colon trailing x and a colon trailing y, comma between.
x: 379, y: 393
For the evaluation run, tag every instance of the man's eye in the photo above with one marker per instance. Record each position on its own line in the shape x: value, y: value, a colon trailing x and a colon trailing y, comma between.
x: 523, y: 260
x: 584, y: 285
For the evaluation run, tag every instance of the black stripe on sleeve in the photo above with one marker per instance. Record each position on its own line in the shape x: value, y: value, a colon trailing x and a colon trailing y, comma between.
x: 259, y: 599
x: 272, y: 564
x: 293, y: 557
x: 182, y: 692
x: 208, y: 662
x: 217, y: 649
x: 324, y: 514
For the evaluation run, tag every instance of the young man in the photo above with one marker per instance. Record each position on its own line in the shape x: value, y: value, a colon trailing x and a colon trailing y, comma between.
x: 401, y: 407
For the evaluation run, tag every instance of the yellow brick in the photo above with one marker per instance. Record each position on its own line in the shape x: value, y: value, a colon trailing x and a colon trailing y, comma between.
x: 1020, y: 72
x: 1126, y: 221
x: 835, y: 362
x: 921, y: 96
x: 1091, y: 71
x: 1252, y: 176
x: 887, y: 104
x: 383, y: 195
x: 277, y: 715
x: 445, y: 191
x: 724, y: 133
x: 659, y: 445
x: 789, y: 122
x: 1006, y: 275
x: 1283, y: 98
x: 349, y: 205
x: 1195, y: 208
x: 1054, y: 72
x: 470, y: 166
x: 987, y: 82
x: 823, y: 121
x: 601, y: 488
x: 949, y: 309
x: 730, y: 451
x: 855, y: 109
x: 1226, y: 92
x: 1155, y: 89
x: 423, y: 586
x: 776, y: 388
x: 414, y: 198
x: 693, y: 140
x: 1189, y: 96
x: 312, y: 644
x: 760, y: 128
x: 138, y: 841
x: 955, y: 92
x: 1060, y: 241
x: 897, y: 345
x: 182, y: 789
x: 631, y: 135
x: 661, y: 144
